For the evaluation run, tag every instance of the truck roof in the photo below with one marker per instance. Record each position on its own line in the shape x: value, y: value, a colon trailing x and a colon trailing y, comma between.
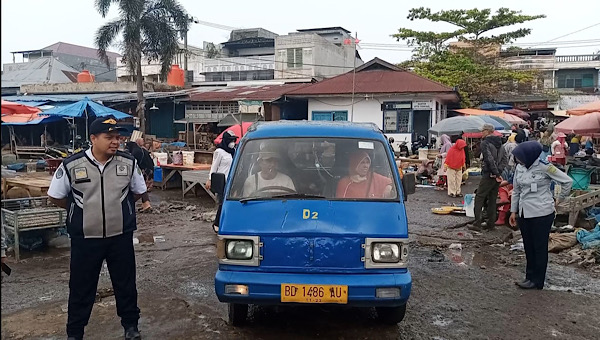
x: 303, y: 128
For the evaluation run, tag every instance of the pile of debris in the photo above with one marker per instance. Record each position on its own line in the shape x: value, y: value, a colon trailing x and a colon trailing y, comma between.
x: 165, y: 207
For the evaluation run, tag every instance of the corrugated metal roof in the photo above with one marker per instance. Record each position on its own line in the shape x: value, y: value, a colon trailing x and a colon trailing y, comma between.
x: 374, y: 78
x: 60, y: 97
x: 82, y: 51
x: 47, y: 70
x: 234, y: 93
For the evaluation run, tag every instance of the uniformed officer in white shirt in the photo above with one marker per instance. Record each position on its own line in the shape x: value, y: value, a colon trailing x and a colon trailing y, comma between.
x: 533, y: 207
x: 99, y: 187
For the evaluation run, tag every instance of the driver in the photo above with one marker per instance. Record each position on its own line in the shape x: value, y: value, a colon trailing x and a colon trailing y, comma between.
x: 268, y: 179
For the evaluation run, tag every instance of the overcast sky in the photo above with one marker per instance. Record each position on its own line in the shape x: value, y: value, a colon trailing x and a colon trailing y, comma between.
x: 34, y: 24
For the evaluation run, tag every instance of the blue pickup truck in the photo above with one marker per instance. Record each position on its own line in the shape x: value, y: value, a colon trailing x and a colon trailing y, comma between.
x: 313, y: 213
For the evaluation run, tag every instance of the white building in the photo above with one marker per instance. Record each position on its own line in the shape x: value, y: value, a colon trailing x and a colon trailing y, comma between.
x: 401, y: 103
x: 315, y: 53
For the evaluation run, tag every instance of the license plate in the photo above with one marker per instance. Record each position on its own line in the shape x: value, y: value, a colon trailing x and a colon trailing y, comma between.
x: 314, y: 293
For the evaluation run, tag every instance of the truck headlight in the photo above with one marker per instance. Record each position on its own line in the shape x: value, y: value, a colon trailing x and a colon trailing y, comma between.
x: 386, y: 252
x: 239, y: 249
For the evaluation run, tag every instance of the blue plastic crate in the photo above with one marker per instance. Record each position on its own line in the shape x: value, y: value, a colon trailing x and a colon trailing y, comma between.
x: 581, y: 178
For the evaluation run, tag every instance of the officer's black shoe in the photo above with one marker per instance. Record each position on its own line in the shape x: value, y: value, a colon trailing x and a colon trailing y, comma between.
x: 132, y: 333
x: 527, y: 285
x: 73, y: 338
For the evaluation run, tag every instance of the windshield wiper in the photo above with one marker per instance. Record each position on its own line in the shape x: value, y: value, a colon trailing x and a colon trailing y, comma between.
x: 287, y: 195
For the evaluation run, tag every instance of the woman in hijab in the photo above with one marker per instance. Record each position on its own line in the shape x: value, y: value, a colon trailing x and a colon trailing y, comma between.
x: 455, y: 164
x: 533, y: 208
x: 446, y: 145
x: 426, y: 169
x: 362, y: 182
x: 221, y: 163
x: 574, y: 144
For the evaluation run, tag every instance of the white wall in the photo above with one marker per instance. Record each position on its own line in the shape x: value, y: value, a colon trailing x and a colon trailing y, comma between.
x: 368, y: 110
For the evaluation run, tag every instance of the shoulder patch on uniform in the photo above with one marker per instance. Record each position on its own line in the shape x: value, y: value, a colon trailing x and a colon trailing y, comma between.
x: 122, y: 170
x: 552, y: 169
x: 59, y: 173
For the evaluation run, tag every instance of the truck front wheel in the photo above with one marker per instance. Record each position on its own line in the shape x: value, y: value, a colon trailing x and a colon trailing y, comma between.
x: 391, y: 315
x: 237, y: 314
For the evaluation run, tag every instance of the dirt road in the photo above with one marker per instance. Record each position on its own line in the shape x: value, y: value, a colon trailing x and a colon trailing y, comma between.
x: 457, y: 294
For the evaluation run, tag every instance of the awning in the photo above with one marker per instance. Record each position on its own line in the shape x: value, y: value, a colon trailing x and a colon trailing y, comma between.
x: 230, y: 120
x: 476, y: 112
x: 560, y: 113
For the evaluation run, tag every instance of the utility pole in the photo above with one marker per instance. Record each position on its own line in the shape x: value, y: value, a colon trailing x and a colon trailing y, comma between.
x: 185, y: 56
x: 353, y: 75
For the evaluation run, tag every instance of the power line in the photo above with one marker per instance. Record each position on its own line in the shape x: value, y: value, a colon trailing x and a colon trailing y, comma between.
x: 571, y: 33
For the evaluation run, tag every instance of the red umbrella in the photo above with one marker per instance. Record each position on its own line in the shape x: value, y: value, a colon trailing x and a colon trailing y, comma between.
x: 9, y: 108
x: 586, y: 124
x: 585, y: 109
x: 519, y: 113
x: 236, y: 129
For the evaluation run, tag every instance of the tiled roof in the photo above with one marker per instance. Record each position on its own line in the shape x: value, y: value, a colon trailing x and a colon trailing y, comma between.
x: 376, y: 76
x: 82, y: 51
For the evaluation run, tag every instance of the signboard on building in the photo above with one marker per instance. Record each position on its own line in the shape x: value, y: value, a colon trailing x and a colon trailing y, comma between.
x: 422, y: 105
x: 250, y: 106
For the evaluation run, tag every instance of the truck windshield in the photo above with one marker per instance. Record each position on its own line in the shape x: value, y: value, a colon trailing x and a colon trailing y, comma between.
x: 329, y: 168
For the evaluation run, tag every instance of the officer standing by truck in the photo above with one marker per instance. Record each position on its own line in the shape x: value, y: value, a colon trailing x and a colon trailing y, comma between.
x: 99, y: 187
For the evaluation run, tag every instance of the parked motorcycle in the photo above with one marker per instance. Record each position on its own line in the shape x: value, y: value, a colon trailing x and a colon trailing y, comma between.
x: 420, y: 142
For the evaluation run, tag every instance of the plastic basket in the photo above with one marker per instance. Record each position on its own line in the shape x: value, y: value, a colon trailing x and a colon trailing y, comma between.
x: 581, y: 178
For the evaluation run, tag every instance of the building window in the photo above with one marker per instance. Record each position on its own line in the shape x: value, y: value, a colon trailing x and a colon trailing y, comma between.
x: 397, y: 117
x: 575, y: 81
x: 294, y: 57
x: 330, y: 115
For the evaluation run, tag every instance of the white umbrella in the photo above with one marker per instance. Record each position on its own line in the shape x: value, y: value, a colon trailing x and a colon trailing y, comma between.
x: 457, y: 125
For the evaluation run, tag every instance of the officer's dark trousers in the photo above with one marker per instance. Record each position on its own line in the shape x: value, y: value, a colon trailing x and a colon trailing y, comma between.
x: 87, y: 256
x: 535, y: 232
x: 487, y: 190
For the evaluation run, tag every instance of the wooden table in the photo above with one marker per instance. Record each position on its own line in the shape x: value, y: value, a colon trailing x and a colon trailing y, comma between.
x: 39, y: 183
x: 191, y: 178
x: 574, y: 204
x: 170, y: 170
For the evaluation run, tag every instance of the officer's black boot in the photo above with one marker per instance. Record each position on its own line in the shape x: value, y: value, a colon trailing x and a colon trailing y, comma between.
x: 132, y: 333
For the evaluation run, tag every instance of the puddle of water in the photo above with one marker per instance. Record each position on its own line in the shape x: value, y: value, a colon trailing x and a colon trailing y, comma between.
x: 439, y: 321
x: 568, y: 279
x: 196, y: 289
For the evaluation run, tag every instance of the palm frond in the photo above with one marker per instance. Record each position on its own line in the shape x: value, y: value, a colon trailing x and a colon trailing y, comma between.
x: 103, y: 6
x: 105, y: 36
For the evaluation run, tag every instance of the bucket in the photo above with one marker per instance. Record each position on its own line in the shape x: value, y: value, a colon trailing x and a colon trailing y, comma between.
x: 470, y: 205
x: 160, y: 158
x: 581, y: 178
x: 157, y: 174
x: 177, y: 158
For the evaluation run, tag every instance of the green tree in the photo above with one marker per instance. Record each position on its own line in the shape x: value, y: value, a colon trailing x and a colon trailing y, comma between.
x: 150, y: 30
x: 475, y: 69
x: 478, y: 78
x: 472, y: 25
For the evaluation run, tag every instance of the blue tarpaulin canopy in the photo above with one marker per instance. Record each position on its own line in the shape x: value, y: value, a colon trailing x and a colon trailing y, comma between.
x: 494, y: 107
x: 86, y: 108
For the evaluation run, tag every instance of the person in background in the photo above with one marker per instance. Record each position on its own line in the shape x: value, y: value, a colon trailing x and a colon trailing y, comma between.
x: 221, y: 163
x: 467, y: 150
x: 533, y: 208
x: 455, y: 165
x: 559, y: 149
x: 574, y: 144
x: 494, y: 162
x: 426, y: 170
x: 546, y: 140
x: 3, y: 240
x: 444, y: 148
x: 146, y: 164
x: 509, y: 146
x: 589, y: 143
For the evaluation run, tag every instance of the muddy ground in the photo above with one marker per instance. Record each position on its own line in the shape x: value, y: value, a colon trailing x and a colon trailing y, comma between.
x: 457, y: 294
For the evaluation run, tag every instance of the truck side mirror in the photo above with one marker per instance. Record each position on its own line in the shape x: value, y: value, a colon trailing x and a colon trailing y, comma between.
x: 217, y: 183
x: 409, y: 182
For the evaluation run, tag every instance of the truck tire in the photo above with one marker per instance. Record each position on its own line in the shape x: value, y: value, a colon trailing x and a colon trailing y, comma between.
x: 391, y: 315
x: 237, y: 314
